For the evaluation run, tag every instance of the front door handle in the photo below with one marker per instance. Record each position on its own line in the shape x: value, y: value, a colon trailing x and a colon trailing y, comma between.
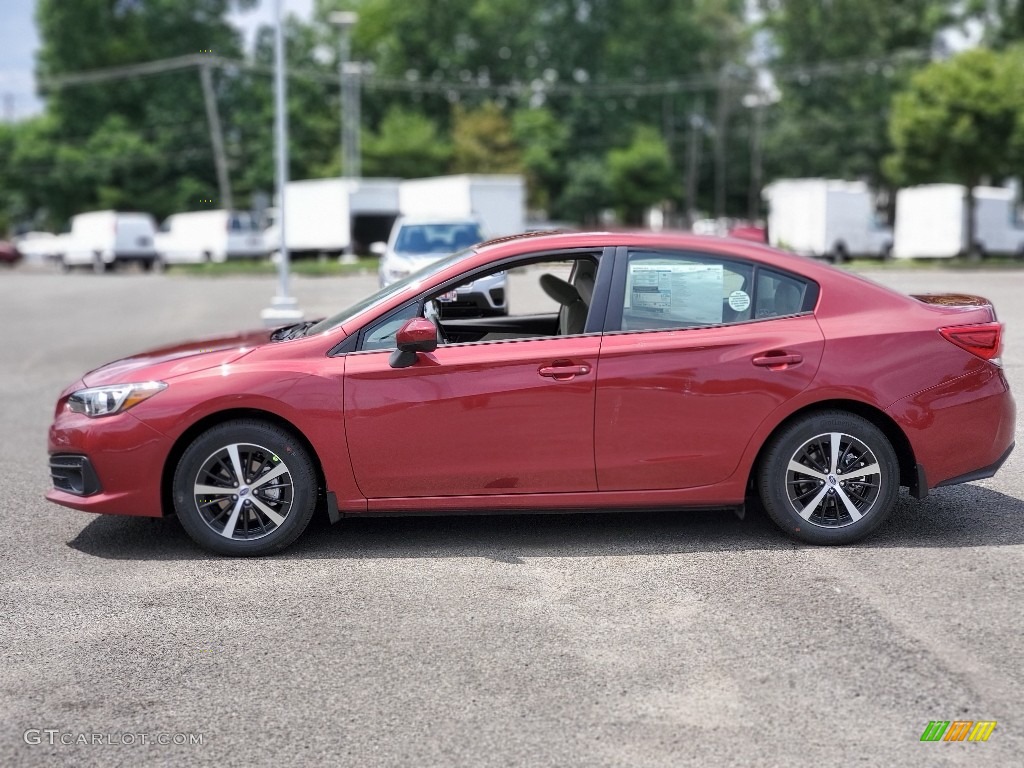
x: 777, y: 361
x: 560, y: 371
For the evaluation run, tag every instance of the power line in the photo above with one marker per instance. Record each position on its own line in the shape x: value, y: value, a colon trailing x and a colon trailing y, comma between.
x: 800, y: 73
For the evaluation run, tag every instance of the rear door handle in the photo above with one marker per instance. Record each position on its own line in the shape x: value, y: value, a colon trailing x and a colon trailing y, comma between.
x: 563, y: 372
x: 771, y: 361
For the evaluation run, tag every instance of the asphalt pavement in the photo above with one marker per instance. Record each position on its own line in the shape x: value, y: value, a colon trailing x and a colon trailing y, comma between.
x: 652, y: 639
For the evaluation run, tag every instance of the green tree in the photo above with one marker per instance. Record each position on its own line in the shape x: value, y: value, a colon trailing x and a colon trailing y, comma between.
x: 407, y: 145
x: 162, y: 114
x: 586, y: 193
x: 640, y: 175
x: 1002, y: 21
x: 588, y: 63
x: 44, y: 178
x: 313, y: 112
x: 838, y: 65
x: 482, y: 141
x: 544, y: 140
x: 961, y: 120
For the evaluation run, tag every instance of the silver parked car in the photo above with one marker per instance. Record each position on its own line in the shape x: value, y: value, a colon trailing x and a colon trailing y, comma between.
x: 416, y: 242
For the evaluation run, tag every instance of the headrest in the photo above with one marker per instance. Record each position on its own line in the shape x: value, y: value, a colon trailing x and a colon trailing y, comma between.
x: 559, y: 290
x: 787, y: 299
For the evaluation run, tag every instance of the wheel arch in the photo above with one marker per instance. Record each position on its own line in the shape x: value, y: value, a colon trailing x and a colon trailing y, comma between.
x: 212, y: 420
x: 892, y: 431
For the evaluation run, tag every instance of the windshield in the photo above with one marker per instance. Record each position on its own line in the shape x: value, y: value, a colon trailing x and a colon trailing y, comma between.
x: 437, y: 238
x: 384, y: 294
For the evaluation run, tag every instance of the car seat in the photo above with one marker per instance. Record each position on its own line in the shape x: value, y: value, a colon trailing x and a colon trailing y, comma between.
x: 572, y: 314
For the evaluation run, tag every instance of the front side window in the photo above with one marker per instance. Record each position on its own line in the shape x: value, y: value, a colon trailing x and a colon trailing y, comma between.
x: 540, y: 298
x: 666, y: 290
x: 382, y: 334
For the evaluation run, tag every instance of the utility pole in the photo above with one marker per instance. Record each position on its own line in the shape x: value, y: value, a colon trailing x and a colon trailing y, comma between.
x: 695, y: 141
x: 216, y: 137
x: 721, y: 118
x: 756, y: 164
x: 8, y: 107
x: 283, y: 308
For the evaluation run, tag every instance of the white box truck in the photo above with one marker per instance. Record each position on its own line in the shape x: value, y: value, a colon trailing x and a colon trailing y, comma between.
x: 498, y: 202
x: 195, y: 237
x: 104, y: 239
x: 827, y: 218
x: 328, y: 216
x: 931, y: 222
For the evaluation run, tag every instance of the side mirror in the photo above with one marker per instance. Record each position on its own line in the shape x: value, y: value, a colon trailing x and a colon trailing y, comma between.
x: 378, y: 248
x: 416, y: 335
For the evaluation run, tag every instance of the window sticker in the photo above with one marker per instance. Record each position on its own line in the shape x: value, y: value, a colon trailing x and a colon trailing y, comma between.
x: 690, y: 293
x: 739, y: 301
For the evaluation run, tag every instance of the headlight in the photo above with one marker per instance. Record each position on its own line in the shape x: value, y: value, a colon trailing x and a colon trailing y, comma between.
x: 106, y: 401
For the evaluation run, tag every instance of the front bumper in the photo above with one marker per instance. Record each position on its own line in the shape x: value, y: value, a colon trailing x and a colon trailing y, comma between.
x: 110, y: 465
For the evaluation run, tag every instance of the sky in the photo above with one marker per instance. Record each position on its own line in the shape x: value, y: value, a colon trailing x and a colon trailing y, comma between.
x: 19, y: 41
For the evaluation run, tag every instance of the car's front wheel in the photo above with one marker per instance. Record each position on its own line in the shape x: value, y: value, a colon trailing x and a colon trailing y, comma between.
x: 829, y: 478
x: 245, y: 488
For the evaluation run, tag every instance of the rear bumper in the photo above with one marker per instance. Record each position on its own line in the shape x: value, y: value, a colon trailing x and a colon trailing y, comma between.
x: 980, y: 474
x: 961, y: 430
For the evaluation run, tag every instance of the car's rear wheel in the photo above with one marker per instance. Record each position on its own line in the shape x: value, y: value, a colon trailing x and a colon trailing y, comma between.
x: 829, y: 478
x: 245, y: 488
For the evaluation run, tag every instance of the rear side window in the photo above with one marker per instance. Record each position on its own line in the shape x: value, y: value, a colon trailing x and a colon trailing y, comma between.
x: 667, y: 290
x: 779, y: 295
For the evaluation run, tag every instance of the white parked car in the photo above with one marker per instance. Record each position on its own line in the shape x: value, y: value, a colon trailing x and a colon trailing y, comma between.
x: 104, y: 239
x: 39, y: 247
x: 196, y: 237
x: 416, y: 242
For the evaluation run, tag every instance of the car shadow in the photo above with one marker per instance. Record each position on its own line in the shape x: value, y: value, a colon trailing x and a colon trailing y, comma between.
x: 961, y: 516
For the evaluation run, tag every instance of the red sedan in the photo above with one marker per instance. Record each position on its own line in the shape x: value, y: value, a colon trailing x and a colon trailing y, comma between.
x: 678, y: 372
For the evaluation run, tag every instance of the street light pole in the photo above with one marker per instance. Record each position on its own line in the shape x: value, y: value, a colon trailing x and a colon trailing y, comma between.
x: 283, y: 309
x: 348, y: 77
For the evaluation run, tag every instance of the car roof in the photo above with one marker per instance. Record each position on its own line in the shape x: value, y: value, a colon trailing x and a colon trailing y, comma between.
x: 674, y: 240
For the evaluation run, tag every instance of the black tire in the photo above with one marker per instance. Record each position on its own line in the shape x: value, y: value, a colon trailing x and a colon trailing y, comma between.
x: 262, y: 449
x: 836, y: 510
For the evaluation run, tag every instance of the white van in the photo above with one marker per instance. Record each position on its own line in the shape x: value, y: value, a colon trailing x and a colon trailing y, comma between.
x: 201, y: 236
x: 103, y: 239
x: 931, y: 222
x: 825, y: 218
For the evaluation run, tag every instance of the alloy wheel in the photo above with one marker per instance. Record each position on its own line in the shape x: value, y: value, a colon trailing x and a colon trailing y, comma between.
x: 243, y: 491
x: 833, y: 480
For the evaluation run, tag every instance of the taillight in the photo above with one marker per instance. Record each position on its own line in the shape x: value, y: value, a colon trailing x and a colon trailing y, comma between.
x: 984, y: 339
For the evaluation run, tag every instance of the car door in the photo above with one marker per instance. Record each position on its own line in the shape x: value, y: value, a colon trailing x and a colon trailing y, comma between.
x: 699, y: 350
x: 513, y: 416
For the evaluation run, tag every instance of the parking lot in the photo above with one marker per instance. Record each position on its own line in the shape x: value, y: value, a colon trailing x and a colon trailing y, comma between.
x: 644, y: 639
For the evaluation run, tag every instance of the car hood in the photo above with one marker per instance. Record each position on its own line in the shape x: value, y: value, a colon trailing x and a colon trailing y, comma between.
x: 420, y: 260
x: 178, y: 359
